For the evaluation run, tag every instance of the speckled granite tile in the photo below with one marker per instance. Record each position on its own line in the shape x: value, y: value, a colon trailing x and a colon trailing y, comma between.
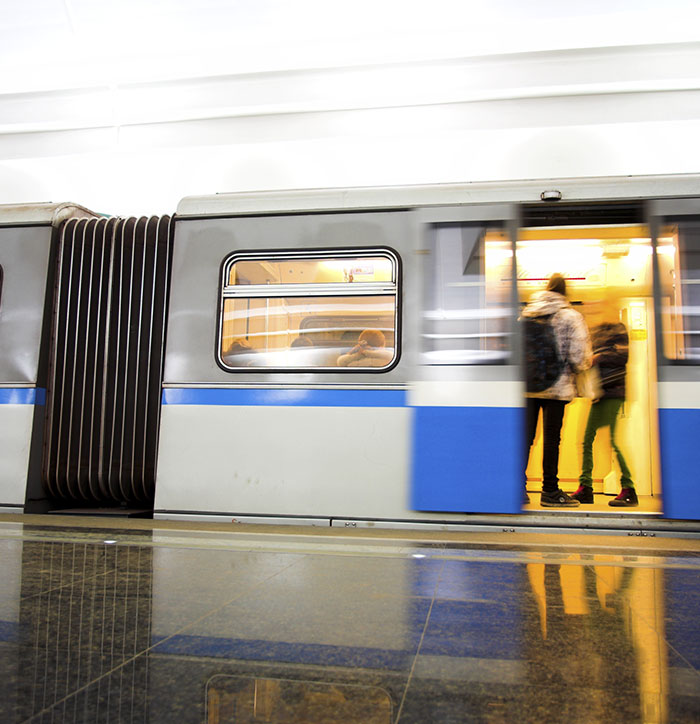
x: 192, y: 629
x: 322, y: 610
x: 47, y: 566
x: 446, y: 690
x: 161, y: 689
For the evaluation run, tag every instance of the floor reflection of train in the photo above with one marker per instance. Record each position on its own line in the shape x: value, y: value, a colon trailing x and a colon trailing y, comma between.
x: 232, y: 627
x: 214, y: 365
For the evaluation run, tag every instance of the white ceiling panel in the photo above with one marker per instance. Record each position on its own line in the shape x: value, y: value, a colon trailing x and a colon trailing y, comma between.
x: 218, y: 95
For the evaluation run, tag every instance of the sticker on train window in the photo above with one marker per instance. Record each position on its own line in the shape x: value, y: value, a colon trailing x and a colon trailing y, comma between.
x: 310, y: 310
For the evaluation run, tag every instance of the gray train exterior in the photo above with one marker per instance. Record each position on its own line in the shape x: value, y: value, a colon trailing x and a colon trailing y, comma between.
x: 414, y: 440
x: 26, y: 258
x: 421, y: 441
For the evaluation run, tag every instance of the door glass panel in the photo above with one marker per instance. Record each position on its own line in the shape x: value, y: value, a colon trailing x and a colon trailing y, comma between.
x: 678, y: 254
x: 468, y: 314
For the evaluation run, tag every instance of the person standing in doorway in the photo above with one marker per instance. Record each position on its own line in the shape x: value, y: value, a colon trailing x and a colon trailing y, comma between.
x: 557, y: 345
x: 610, y: 355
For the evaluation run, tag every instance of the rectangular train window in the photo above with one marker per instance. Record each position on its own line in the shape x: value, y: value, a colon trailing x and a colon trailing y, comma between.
x: 678, y: 254
x: 309, y: 310
x: 468, y: 286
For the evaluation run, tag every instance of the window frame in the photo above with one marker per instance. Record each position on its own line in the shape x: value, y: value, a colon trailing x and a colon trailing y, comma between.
x: 336, y: 289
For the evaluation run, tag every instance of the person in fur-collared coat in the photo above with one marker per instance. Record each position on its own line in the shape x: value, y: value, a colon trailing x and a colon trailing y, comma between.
x: 574, y: 346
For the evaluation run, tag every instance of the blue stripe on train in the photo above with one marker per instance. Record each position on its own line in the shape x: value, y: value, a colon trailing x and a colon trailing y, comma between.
x: 284, y: 397
x: 679, y: 433
x: 468, y: 459
x: 22, y: 396
x: 9, y: 631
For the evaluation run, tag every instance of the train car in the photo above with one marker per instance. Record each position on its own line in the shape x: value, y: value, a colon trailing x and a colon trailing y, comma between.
x: 27, y: 262
x: 82, y: 319
x: 342, y: 356
x: 270, y: 412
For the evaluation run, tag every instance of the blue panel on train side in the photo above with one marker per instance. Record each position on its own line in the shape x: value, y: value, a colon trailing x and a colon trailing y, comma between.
x: 284, y: 397
x: 679, y: 433
x: 468, y: 459
x: 22, y: 396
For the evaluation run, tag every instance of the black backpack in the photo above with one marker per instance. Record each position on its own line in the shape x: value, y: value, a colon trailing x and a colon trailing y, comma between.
x: 543, y: 363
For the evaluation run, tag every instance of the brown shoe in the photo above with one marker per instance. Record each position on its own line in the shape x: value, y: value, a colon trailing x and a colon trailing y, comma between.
x: 558, y: 499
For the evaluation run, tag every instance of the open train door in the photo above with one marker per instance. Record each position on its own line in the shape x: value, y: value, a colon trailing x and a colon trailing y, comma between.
x: 468, y: 400
x: 675, y: 225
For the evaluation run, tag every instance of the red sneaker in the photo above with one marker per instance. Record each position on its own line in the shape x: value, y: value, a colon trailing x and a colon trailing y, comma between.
x: 626, y: 499
x: 584, y: 494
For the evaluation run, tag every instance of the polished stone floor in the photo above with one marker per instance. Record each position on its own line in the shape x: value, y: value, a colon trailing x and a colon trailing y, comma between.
x: 123, y: 621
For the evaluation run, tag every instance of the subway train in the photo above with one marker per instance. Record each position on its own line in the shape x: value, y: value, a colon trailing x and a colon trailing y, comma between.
x: 339, y: 356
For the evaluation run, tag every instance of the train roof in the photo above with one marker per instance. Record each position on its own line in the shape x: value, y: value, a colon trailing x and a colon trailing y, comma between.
x: 396, y: 197
x: 42, y: 213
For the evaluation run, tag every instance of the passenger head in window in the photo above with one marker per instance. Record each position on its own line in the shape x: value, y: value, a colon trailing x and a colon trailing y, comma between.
x: 240, y: 353
x: 370, y: 351
x: 301, y: 341
x: 239, y: 346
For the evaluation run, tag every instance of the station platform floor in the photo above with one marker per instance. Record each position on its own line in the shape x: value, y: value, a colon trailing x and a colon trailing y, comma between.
x: 648, y: 504
x: 132, y: 620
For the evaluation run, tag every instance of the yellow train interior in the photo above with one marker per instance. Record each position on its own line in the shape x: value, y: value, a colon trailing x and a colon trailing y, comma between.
x: 609, y: 276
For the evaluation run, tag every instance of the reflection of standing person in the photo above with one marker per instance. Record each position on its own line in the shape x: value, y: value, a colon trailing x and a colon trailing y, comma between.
x: 610, y: 354
x: 580, y: 654
x: 574, y: 350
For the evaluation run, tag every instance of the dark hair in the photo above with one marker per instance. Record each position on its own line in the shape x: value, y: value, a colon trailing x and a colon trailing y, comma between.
x: 240, y: 345
x: 557, y: 284
x: 302, y: 341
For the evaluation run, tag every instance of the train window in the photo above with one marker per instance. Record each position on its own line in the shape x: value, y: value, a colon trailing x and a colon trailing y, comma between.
x: 469, y: 280
x: 309, y: 310
x: 678, y: 253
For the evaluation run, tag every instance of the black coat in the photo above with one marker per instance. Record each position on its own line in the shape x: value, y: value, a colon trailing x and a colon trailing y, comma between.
x: 610, y: 354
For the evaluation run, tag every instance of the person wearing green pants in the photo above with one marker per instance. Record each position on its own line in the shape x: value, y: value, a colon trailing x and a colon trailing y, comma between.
x: 610, y: 355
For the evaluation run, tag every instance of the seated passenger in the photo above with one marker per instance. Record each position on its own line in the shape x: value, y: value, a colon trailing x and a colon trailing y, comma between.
x: 301, y: 341
x: 238, y: 353
x: 370, y: 351
x: 239, y: 346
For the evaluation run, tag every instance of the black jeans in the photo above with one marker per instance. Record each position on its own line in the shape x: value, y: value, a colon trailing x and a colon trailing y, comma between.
x: 552, y: 417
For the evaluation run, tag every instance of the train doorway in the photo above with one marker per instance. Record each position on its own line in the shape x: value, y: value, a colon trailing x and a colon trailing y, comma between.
x: 609, y: 275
